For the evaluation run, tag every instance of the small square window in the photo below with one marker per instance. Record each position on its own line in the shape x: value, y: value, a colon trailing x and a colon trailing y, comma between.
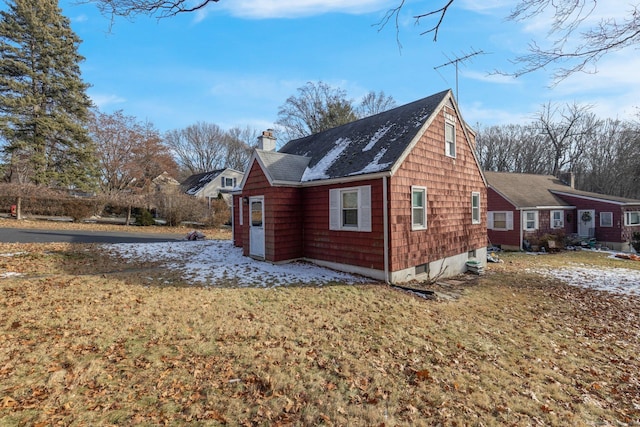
x: 606, y: 219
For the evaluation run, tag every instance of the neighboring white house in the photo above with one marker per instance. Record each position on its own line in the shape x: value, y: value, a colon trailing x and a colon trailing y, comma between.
x: 208, y: 185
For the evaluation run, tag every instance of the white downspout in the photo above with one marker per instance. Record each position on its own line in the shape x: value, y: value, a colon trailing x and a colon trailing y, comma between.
x: 521, y: 231
x: 385, y: 228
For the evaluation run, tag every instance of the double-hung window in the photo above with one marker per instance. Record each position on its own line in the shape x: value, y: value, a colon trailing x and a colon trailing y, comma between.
x: 632, y: 218
x: 500, y: 220
x: 530, y: 220
x: 606, y: 219
x: 350, y: 208
x: 557, y: 219
x: 450, y: 139
x: 418, y: 208
x: 475, y: 208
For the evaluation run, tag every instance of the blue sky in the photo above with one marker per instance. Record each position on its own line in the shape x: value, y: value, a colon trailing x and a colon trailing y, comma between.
x: 236, y: 62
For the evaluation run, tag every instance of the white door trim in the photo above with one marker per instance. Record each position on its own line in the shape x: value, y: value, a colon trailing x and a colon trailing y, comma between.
x: 256, y: 227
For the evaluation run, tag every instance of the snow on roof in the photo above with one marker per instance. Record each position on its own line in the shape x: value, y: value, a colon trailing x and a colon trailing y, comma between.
x: 369, y: 145
x: 376, y: 137
x: 319, y: 170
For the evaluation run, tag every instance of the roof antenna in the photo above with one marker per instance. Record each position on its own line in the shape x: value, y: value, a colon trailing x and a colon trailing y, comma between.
x: 458, y: 60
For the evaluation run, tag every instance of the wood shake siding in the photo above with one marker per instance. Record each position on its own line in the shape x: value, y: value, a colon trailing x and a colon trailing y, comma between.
x: 282, y: 217
x: 449, y: 183
x: 363, y: 249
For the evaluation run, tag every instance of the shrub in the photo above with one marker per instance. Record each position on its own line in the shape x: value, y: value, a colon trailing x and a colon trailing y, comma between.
x: 635, y: 242
x: 144, y: 218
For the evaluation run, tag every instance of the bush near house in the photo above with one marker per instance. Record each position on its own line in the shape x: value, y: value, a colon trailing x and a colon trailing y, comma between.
x: 175, y: 208
x: 635, y: 242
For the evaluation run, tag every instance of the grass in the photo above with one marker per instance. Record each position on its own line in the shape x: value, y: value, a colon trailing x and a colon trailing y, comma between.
x: 84, y: 341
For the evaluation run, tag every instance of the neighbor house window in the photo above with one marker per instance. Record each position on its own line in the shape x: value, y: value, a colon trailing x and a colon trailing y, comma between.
x: 350, y: 208
x: 228, y: 182
x: 632, y: 218
x: 557, y: 219
x: 450, y: 139
x: 500, y: 221
x: 606, y: 219
x: 475, y: 208
x: 530, y: 220
x: 418, y: 208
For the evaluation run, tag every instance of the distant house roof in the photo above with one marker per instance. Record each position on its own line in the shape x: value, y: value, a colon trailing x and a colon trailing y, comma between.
x: 369, y: 145
x: 197, y: 182
x: 540, y: 191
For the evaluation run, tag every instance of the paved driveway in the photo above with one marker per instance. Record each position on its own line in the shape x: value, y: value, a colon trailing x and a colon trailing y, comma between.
x: 30, y: 235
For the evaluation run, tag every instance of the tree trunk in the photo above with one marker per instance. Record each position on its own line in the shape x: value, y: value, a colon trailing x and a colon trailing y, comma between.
x: 19, y: 208
x: 128, y: 215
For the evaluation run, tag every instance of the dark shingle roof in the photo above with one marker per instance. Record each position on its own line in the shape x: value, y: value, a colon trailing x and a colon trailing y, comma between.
x: 196, y: 182
x: 368, y: 145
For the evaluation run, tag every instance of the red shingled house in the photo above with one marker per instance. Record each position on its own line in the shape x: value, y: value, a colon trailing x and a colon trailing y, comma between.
x: 396, y: 196
x: 526, y: 206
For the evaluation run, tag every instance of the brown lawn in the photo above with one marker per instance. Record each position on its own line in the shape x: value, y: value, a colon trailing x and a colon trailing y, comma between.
x: 85, y: 340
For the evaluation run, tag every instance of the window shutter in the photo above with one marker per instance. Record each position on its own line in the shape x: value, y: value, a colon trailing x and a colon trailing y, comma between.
x: 364, y: 208
x: 240, y: 210
x: 509, y: 220
x: 334, y: 209
x: 490, y: 220
x: 222, y: 179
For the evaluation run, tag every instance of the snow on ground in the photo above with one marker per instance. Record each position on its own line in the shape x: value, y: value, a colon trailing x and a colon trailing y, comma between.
x: 210, y: 261
x: 614, y: 280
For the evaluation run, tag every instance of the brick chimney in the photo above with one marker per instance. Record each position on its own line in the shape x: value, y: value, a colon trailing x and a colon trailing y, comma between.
x: 267, y: 141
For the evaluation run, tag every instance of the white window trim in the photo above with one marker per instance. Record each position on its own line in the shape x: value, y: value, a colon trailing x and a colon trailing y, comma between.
x: 453, y: 143
x: 474, y: 220
x: 364, y: 209
x: 508, y: 222
x: 627, y: 219
x: 535, y: 221
x: 610, y: 215
x: 553, y: 221
x: 424, y: 208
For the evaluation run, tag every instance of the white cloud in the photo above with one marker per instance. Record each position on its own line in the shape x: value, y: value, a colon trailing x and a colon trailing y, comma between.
x: 490, y: 78
x: 264, y: 9
x: 80, y: 18
x: 102, y: 100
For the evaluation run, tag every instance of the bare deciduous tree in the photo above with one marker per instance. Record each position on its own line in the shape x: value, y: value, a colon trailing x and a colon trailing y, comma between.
x: 567, y: 131
x: 316, y: 107
x: 319, y: 106
x: 572, y: 43
x: 374, y: 103
x: 200, y: 147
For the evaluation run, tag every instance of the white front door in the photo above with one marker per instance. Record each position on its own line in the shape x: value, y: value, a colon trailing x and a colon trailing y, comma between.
x: 586, y: 223
x: 256, y: 226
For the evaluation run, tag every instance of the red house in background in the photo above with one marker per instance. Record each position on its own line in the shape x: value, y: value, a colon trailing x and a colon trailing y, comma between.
x: 396, y: 196
x: 526, y: 206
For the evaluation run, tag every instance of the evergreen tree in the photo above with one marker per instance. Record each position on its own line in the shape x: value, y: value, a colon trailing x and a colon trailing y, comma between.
x: 43, y: 103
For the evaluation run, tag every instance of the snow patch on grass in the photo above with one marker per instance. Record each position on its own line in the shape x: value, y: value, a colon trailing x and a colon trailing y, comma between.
x: 218, y: 261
